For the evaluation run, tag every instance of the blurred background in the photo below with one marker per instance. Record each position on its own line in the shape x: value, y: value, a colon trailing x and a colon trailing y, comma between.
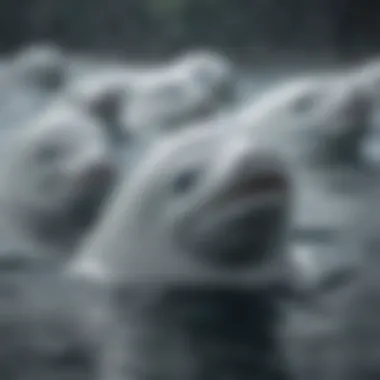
x: 249, y: 29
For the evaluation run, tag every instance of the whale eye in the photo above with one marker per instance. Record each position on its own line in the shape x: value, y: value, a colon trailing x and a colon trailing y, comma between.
x: 186, y: 181
x: 306, y: 103
x: 47, y: 153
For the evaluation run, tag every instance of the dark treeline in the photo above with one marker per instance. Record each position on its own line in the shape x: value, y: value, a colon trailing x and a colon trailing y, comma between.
x: 253, y: 27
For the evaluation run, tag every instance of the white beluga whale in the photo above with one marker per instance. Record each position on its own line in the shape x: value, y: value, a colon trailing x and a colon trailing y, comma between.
x: 43, y: 66
x: 158, y: 109
x: 194, y: 240
x: 34, y: 76
x: 170, y: 95
x: 318, y: 124
x: 216, y: 205
x: 197, y: 85
x: 314, y: 118
x: 54, y: 177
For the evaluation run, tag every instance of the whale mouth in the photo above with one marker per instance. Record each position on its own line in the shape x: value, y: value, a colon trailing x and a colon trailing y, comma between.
x: 248, y: 220
x: 246, y: 239
x: 242, y: 228
x: 95, y: 178
x: 263, y: 183
x: 91, y: 190
x: 261, y: 190
x: 84, y: 210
